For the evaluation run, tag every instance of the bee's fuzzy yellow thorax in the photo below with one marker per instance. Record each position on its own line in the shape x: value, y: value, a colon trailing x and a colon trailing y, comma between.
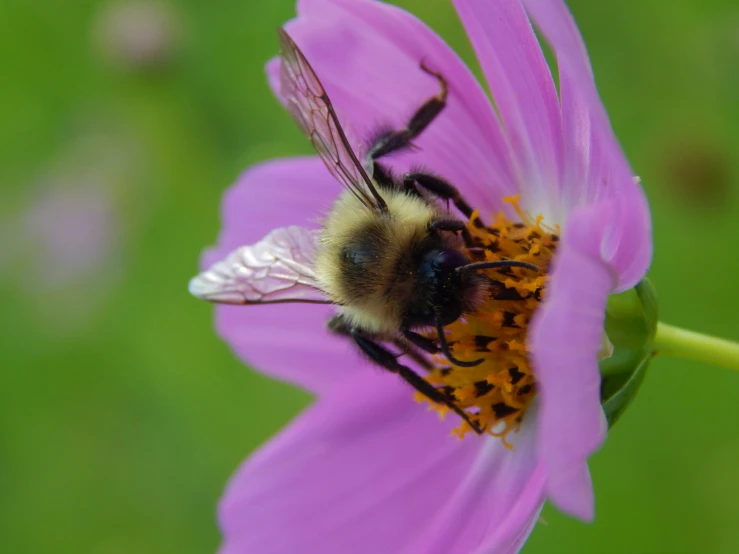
x: 382, y: 240
x: 496, y: 392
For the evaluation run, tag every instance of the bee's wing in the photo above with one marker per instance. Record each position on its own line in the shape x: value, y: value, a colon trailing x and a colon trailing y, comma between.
x: 276, y: 269
x: 311, y: 108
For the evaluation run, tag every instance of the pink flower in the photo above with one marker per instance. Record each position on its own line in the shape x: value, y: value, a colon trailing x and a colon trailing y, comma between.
x: 366, y: 469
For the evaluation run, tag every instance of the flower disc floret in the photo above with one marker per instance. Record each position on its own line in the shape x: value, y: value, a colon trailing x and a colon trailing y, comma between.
x: 497, y: 392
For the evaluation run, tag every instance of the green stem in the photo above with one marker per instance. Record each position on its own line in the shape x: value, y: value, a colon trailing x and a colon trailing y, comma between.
x: 673, y: 341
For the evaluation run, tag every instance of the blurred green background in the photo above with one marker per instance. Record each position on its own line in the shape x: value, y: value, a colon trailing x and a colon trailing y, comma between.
x: 121, y: 412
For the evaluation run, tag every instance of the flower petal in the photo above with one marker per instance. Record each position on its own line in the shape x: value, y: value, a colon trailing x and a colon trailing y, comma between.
x: 565, y: 340
x: 368, y: 55
x: 270, y: 195
x: 497, y: 502
x: 523, y: 89
x: 363, y: 458
x: 509, y: 539
x: 367, y: 470
x: 290, y: 342
x: 592, y: 150
x: 571, y: 489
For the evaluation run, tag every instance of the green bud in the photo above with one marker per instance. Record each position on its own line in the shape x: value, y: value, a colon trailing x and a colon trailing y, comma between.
x: 631, y: 324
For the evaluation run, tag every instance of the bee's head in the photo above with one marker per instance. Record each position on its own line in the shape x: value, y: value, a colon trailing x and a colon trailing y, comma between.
x: 442, y: 289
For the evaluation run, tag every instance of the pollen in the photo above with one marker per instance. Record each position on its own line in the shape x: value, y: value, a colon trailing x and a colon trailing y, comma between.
x: 496, y: 393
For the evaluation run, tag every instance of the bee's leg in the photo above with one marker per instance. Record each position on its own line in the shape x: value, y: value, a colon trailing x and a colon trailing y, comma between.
x: 441, y: 189
x: 427, y: 345
x: 455, y: 225
x: 394, y: 140
x: 414, y: 353
x: 385, y: 178
x: 387, y: 360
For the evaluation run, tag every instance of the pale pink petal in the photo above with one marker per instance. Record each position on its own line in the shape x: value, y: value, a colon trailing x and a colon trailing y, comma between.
x: 496, y: 504
x: 565, y: 339
x: 272, y: 194
x: 290, y: 342
x: 368, y: 55
x: 509, y: 539
x: 522, y: 88
x: 571, y: 489
x: 627, y: 243
x: 364, y: 470
x: 286, y: 341
x: 628, y: 247
x: 579, y: 155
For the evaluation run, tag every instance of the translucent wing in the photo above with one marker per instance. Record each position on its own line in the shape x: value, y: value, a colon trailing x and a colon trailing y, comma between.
x: 311, y: 108
x: 276, y: 269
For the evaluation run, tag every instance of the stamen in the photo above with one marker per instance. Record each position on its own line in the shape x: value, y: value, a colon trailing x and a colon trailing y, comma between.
x: 483, y: 363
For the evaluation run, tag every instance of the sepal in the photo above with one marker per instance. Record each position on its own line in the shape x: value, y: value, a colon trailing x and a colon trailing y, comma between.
x: 631, y: 324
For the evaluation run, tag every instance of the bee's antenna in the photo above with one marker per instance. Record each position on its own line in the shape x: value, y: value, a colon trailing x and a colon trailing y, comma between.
x: 497, y: 264
x: 444, y: 345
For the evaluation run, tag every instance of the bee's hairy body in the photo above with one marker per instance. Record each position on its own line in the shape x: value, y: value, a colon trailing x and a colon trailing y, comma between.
x: 375, y: 265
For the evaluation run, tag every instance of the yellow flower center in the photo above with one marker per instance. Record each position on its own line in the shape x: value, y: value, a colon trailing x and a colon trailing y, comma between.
x: 496, y: 392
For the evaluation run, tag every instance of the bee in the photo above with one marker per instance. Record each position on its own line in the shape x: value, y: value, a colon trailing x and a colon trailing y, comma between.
x: 389, y: 255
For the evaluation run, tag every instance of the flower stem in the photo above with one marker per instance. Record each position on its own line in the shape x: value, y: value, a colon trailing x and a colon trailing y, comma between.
x: 673, y: 341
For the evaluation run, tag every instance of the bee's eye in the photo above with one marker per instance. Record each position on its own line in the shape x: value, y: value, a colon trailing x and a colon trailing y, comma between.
x: 439, y: 294
x: 448, y: 260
